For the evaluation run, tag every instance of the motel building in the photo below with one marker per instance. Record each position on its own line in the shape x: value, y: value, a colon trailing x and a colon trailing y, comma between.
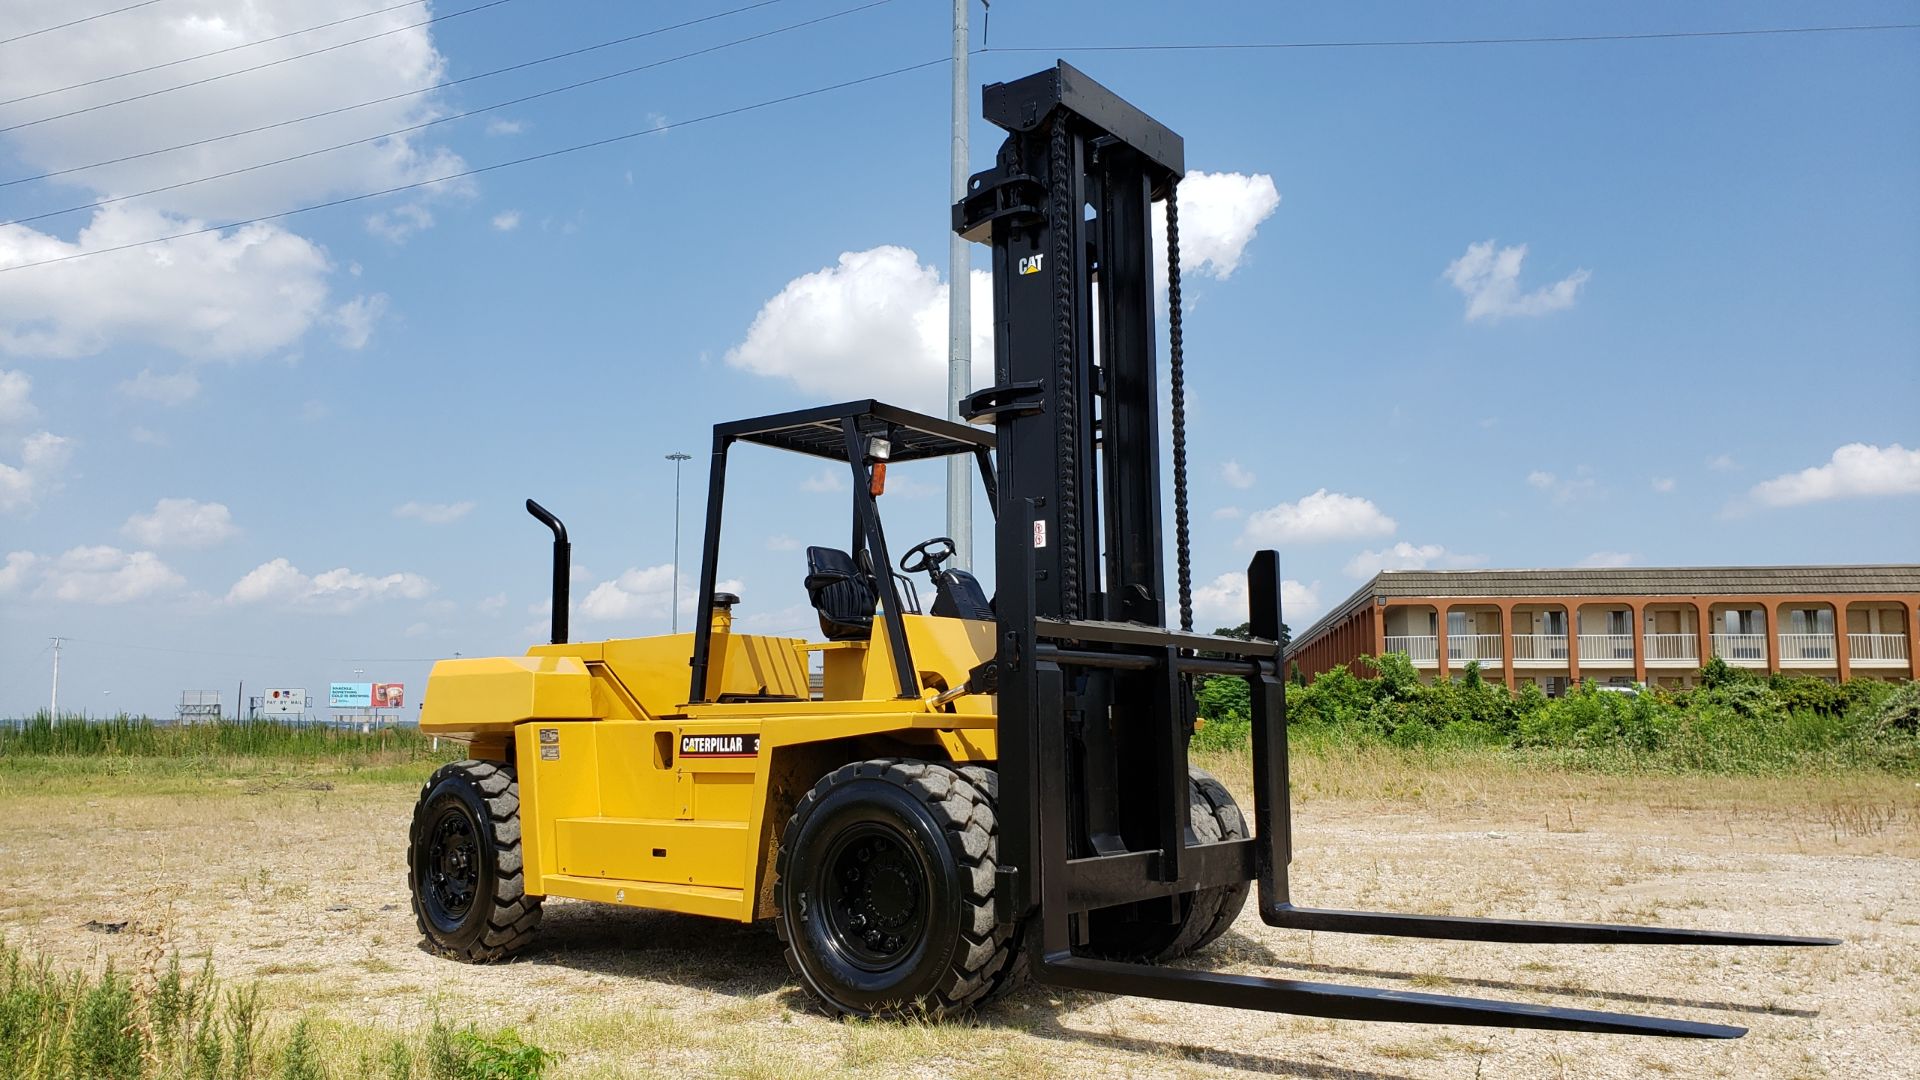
x: 1626, y: 625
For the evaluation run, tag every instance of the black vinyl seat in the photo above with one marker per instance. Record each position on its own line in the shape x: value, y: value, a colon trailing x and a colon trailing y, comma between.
x: 842, y: 593
x: 958, y: 595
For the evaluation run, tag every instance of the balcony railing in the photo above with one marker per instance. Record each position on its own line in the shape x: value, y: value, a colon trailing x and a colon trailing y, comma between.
x: 1672, y: 647
x: 1464, y: 647
x: 1539, y: 648
x: 1804, y: 648
x: 1877, y: 648
x: 1739, y: 647
x: 1600, y: 648
x: 1420, y: 648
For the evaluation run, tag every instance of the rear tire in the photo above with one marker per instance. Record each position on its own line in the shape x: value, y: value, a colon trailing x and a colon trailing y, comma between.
x: 464, y: 864
x: 885, y: 891
x: 1149, y: 931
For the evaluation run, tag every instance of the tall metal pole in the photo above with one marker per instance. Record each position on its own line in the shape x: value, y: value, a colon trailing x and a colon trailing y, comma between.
x: 673, y: 602
x: 53, y: 709
x: 959, y: 308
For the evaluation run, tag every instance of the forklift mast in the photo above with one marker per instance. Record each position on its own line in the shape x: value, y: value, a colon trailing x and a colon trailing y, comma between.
x: 1095, y: 702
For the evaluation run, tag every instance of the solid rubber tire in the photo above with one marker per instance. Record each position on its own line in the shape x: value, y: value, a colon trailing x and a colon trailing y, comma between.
x: 502, y: 917
x: 948, y: 824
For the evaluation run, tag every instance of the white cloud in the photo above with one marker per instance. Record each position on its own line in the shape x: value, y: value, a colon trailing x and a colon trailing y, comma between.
x: 1229, y: 513
x: 339, y: 590
x: 1323, y: 515
x: 1607, y: 558
x: 1224, y: 600
x: 354, y: 320
x: 825, y: 480
x: 181, y: 523
x: 782, y: 542
x: 14, y: 572
x: 1722, y: 463
x: 1855, y: 470
x: 1220, y: 213
x: 176, y: 389
x: 1235, y: 475
x: 239, y: 293
x: 643, y: 593
x: 1405, y: 556
x: 148, y: 436
x: 506, y: 220
x: 16, y: 406
x: 872, y: 325
x: 1663, y: 484
x: 103, y: 575
x: 43, y: 456
x: 434, y: 513
x: 1564, y: 489
x: 397, y: 224
x: 494, y: 605
x: 500, y: 126
x: 1490, y: 281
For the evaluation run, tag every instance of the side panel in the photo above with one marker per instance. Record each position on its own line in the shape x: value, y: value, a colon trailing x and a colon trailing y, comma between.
x: 558, y: 763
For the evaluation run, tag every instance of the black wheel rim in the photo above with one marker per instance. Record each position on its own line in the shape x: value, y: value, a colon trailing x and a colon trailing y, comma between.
x: 450, y: 876
x: 875, y: 890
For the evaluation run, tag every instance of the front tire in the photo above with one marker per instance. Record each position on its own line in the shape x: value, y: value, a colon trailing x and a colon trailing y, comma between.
x: 885, y: 891
x: 1149, y: 931
x: 464, y: 864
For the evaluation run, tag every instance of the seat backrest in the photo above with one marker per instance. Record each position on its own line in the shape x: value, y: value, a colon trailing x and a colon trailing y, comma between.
x: 842, y: 593
x: 958, y: 595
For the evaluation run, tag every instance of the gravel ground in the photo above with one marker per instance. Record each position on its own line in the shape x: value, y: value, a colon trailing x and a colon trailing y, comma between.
x: 300, y: 885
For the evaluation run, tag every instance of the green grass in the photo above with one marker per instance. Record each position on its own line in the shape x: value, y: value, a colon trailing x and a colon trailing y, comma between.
x: 139, y: 736
x: 167, y: 1023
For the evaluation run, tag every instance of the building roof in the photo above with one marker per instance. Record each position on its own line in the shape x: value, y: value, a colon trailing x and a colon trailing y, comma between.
x: 1624, y: 581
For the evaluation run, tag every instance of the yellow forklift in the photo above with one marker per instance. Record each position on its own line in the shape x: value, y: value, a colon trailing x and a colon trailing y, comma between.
x: 935, y: 805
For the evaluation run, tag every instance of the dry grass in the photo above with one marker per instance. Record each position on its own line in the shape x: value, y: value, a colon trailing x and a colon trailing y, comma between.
x: 296, y: 879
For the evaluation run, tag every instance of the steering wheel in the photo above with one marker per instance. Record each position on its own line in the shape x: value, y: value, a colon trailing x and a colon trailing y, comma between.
x: 927, y: 555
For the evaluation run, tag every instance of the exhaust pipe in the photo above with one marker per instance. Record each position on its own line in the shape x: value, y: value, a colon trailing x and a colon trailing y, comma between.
x: 562, y: 568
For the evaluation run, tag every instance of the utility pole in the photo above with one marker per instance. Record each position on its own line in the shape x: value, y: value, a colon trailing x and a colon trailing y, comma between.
x: 53, y: 708
x: 959, y: 309
x: 673, y: 601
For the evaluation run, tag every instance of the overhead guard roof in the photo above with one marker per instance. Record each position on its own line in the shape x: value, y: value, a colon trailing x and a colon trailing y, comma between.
x: 818, y: 432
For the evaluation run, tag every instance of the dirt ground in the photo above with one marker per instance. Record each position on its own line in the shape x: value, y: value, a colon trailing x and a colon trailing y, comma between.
x: 299, y: 883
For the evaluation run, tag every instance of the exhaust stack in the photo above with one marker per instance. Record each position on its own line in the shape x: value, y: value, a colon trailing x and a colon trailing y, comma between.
x: 562, y: 568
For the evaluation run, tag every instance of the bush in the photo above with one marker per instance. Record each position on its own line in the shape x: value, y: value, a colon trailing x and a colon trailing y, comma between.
x: 1733, y: 721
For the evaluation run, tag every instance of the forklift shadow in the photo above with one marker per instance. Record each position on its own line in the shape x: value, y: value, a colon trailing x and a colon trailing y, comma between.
x: 1037, y: 1012
x: 1538, y: 988
x: 737, y: 959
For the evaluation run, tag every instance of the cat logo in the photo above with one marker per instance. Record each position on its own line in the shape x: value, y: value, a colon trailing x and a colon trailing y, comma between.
x: 1031, y: 264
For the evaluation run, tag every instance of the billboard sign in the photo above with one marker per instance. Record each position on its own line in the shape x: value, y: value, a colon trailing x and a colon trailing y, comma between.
x: 284, y: 703
x: 350, y: 695
x: 389, y: 695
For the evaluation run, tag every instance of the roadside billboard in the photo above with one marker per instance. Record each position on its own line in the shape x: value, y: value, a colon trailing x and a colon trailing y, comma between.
x: 389, y: 695
x: 350, y: 695
x: 284, y: 702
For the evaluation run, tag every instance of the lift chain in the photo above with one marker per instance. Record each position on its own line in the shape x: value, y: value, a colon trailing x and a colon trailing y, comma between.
x: 1183, y: 554
x: 1061, y: 222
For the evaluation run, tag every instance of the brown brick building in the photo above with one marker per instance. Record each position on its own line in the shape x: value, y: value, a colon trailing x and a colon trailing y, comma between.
x: 1629, y: 624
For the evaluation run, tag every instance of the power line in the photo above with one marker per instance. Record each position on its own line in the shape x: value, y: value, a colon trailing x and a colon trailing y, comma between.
x: 463, y: 174
x: 447, y: 119
x: 75, y: 22
x: 256, y: 67
x: 393, y: 97
x: 1430, y: 42
x: 216, y: 52
x: 254, y: 656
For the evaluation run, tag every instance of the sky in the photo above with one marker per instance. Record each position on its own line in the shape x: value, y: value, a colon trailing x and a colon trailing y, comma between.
x: 1643, y: 302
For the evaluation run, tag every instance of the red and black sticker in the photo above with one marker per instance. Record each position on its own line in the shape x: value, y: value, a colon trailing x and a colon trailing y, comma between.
x: 719, y: 746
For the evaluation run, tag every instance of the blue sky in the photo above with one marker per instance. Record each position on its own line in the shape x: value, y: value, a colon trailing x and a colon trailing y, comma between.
x: 1519, y: 305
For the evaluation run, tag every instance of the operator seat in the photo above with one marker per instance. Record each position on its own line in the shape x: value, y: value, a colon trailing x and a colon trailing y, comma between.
x: 958, y: 595
x: 842, y: 593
